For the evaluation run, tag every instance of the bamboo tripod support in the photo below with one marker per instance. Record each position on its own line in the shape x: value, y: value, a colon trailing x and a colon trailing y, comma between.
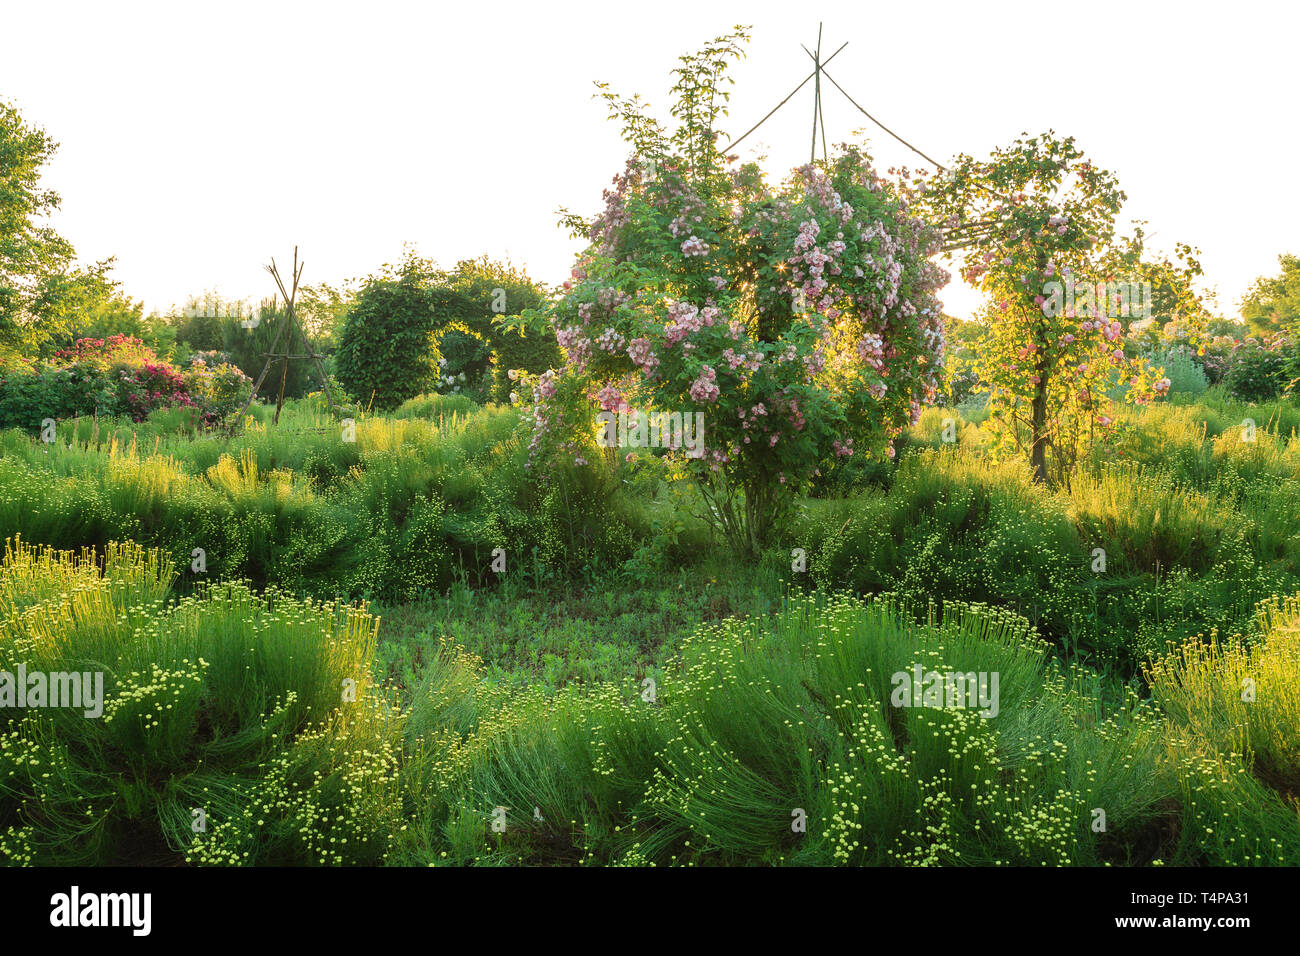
x: 290, y: 322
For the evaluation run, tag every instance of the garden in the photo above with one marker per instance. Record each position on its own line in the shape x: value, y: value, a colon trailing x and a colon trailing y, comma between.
x: 731, y: 549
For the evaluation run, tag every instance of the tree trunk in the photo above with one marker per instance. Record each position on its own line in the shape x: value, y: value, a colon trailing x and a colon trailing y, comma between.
x: 1038, y: 426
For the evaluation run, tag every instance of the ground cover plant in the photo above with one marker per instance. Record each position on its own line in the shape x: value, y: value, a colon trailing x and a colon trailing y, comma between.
x: 773, y: 739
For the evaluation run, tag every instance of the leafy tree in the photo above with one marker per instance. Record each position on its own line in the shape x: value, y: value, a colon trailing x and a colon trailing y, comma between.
x: 202, y: 332
x: 1172, y: 280
x: 42, y: 289
x: 1273, y: 302
x: 322, y: 309
x: 114, y: 314
x: 1034, y: 219
x: 387, y: 350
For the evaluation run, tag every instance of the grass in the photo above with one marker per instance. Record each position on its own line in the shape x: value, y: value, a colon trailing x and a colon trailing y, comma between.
x: 624, y: 693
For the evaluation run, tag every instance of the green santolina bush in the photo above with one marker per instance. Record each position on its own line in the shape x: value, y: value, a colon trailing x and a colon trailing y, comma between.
x: 1196, y: 508
x: 255, y: 710
x: 414, y: 502
x: 779, y: 739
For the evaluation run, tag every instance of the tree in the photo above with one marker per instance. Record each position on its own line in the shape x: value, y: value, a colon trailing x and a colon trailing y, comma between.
x: 1273, y: 303
x: 114, y: 314
x: 1034, y: 226
x: 42, y: 289
x: 247, y: 343
x: 322, y: 309
x: 387, y: 353
x: 470, y: 333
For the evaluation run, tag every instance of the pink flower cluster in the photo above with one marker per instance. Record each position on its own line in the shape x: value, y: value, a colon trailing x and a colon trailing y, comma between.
x: 871, y: 349
x: 704, y: 388
x: 684, y: 318
x: 641, y: 352
x: 576, y: 345
x: 611, y: 399
x: 695, y: 246
x: 735, y: 359
x: 611, y: 341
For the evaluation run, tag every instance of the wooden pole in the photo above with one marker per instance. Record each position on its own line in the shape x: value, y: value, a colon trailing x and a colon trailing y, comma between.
x: 258, y: 384
x: 817, y: 94
x: 309, y: 352
x: 290, y: 322
x: 736, y: 142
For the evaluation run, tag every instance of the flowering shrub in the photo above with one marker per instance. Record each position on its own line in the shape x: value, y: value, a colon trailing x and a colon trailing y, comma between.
x: 1036, y: 216
x: 523, y: 342
x: 102, y: 354
x: 118, y: 376
x: 218, y: 388
x: 151, y: 385
x: 1260, y: 371
x: 801, y: 320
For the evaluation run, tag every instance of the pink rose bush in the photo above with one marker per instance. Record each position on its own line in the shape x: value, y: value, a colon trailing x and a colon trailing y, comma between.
x: 801, y: 320
x: 1026, y: 222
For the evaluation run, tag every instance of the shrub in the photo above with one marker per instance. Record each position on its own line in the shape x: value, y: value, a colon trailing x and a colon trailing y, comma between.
x: 523, y: 342
x: 226, y: 702
x: 115, y: 376
x: 1258, y: 372
x: 1235, y: 708
x: 762, y: 725
x: 386, y: 351
x: 470, y: 320
x: 220, y: 388
x: 1185, y: 376
x: 797, y: 323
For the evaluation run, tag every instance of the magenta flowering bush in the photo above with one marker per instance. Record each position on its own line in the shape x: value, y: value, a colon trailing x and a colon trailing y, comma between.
x: 116, y: 376
x: 149, y: 386
x: 800, y: 320
x: 120, y: 375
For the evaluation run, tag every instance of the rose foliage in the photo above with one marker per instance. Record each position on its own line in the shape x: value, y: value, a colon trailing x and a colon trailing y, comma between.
x: 800, y: 319
x: 1033, y: 227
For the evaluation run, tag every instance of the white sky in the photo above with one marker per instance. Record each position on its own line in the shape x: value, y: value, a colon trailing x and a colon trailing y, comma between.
x: 197, y: 142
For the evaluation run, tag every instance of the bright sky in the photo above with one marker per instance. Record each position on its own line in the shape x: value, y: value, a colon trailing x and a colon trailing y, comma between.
x: 199, y: 141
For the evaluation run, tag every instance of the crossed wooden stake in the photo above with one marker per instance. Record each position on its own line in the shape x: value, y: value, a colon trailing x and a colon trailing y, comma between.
x: 953, y: 237
x: 291, y: 322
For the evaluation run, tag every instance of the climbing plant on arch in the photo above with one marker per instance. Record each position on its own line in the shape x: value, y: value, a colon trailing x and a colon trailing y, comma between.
x: 799, y: 319
x: 414, y: 326
x: 1034, y: 218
